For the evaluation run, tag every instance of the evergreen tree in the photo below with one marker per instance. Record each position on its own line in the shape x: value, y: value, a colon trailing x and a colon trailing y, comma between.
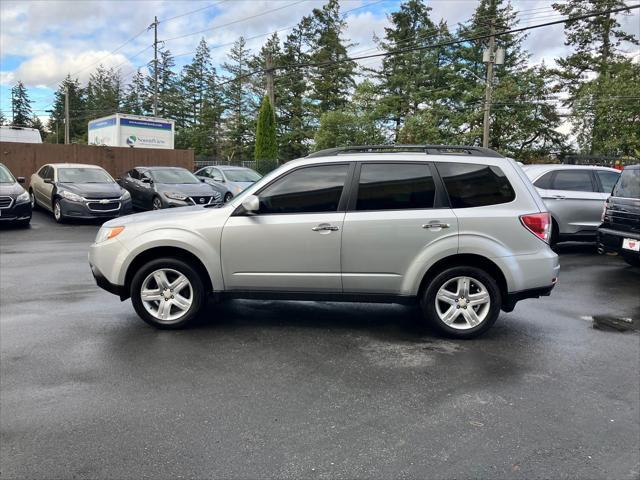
x: 591, y: 69
x: 411, y: 82
x: 266, y: 148
x: 330, y: 84
x: 135, y: 99
x: 195, y: 82
x: 237, y: 98
x: 103, y: 92
x: 20, y: 105
x: 293, y: 107
x: 171, y: 103
x: 38, y: 125
x: 3, y: 119
x: 77, y: 114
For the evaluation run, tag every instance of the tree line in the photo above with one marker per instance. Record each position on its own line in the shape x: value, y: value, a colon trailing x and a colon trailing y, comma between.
x: 416, y: 95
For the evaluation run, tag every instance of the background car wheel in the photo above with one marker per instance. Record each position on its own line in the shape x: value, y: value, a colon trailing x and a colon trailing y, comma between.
x: 632, y: 260
x: 462, y: 302
x: 57, y: 211
x: 167, y: 293
x: 156, y: 203
x: 227, y: 197
x: 32, y: 198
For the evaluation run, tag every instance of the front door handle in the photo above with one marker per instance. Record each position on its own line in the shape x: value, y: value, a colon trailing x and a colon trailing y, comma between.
x: 558, y: 197
x: 436, y: 225
x: 325, y: 227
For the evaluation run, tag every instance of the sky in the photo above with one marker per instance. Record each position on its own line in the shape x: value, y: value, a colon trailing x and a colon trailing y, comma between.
x: 41, y: 41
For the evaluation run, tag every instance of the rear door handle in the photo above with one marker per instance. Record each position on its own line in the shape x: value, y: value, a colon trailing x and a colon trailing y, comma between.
x: 436, y: 225
x: 558, y: 197
x: 325, y: 227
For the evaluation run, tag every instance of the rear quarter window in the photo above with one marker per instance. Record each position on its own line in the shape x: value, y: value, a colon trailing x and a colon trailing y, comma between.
x: 628, y: 185
x: 470, y: 185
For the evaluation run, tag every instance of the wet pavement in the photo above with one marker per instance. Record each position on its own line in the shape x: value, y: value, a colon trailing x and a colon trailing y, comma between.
x: 310, y: 390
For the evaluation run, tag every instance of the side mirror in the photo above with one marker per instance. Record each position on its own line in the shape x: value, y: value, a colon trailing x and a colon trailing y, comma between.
x: 203, y: 180
x: 20, y: 179
x: 251, y: 204
x: 219, y: 179
x: 146, y: 180
x: 48, y: 180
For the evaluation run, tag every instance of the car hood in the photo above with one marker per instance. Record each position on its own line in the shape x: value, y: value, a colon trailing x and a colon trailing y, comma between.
x: 169, y: 217
x: 11, y: 189
x: 93, y: 190
x: 189, y: 189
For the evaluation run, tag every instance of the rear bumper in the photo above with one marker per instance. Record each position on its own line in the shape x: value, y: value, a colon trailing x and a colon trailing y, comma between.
x: 610, y: 241
x: 509, y: 303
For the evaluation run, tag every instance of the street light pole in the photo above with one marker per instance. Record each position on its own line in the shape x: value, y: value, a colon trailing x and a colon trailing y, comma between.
x: 488, y: 85
x: 66, y: 116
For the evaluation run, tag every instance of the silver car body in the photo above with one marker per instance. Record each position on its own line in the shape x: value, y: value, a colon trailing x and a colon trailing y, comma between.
x: 365, y: 252
x: 216, y: 176
x: 576, y: 213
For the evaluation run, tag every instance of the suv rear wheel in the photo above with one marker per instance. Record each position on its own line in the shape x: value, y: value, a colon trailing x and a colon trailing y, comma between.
x: 462, y: 302
x: 167, y: 293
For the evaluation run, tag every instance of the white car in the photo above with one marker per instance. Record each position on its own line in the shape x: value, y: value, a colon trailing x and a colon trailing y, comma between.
x: 459, y: 229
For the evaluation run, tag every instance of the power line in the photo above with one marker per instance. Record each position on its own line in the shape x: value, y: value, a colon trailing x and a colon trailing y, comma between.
x: 192, y: 11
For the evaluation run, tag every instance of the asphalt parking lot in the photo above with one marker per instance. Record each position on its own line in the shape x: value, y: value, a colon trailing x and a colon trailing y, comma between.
x: 310, y: 390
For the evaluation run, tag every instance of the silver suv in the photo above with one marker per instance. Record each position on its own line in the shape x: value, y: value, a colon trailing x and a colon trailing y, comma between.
x: 460, y: 229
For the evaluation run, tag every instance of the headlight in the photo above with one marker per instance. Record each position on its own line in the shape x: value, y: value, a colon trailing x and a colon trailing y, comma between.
x: 107, y: 233
x: 125, y: 196
x: 70, y: 196
x: 238, y: 189
x: 175, y: 196
x: 23, y: 198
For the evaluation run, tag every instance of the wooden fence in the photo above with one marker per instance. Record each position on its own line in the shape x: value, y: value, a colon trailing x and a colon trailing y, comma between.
x: 23, y: 159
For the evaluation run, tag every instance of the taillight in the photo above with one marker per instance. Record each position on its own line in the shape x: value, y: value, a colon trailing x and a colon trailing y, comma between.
x: 539, y: 224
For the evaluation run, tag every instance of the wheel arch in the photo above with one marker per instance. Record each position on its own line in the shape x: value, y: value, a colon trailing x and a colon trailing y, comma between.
x: 170, y: 252
x: 465, y: 260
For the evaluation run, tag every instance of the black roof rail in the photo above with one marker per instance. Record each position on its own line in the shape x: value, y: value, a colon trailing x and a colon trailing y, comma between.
x: 427, y: 149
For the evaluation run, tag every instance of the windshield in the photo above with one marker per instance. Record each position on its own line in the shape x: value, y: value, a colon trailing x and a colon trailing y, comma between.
x: 242, y: 175
x: 83, y: 175
x: 173, y: 176
x: 5, y: 175
x: 628, y: 185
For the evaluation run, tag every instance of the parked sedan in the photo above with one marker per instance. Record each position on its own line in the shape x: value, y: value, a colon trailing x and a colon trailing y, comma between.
x: 574, y: 195
x: 232, y: 180
x: 153, y: 188
x: 15, y: 206
x: 73, y: 190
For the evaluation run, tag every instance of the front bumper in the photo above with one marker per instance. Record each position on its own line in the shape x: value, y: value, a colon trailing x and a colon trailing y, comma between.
x: 86, y: 210
x: 16, y: 213
x: 610, y: 241
x: 105, y: 284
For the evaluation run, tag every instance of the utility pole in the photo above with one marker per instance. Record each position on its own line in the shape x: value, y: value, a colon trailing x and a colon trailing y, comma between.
x: 269, y: 76
x: 66, y: 116
x: 154, y: 25
x: 490, y: 56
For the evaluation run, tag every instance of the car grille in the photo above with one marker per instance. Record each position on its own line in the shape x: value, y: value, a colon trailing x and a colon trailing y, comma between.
x: 6, y: 202
x: 204, y: 200
x: 103, y: 205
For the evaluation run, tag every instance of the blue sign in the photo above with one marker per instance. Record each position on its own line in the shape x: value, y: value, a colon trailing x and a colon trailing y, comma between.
x: 146, y: 124
x: 102, y: 123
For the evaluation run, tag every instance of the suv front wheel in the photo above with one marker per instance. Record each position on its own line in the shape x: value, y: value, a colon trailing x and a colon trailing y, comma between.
x: 462, y: 302
x: 167, y: 293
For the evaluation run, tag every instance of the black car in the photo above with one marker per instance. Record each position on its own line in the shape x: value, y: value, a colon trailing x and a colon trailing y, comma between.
x: 15, y: 206
x: 153, y: 188
x: 73, y: 190
x: 620, y: 229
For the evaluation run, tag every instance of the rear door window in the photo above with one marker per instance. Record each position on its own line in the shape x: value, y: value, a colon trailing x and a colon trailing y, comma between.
x: 628, y: 185
x: 607, y: 179
x: 396, y: 186
x: 573, y: 180
x: 544, y: 181
x: 471, y: 185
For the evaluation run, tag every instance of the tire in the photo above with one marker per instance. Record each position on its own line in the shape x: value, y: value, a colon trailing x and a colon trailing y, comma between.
x: 633, y: 260
x: 156, y: 203
x: 439, y: 301
x: 227, y: 197
x: 180, y: 312
x: 555, y: 234
x: 32, y: 197
x: 57, y: 211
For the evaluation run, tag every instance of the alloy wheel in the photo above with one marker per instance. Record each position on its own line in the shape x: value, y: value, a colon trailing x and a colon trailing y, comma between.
x: 157, y: 203
x: 57, y: 213
x: 463, y: 303
x: 166, y: 294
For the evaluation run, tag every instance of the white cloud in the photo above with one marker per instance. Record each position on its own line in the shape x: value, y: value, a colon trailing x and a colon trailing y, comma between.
x: 49, y: 68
